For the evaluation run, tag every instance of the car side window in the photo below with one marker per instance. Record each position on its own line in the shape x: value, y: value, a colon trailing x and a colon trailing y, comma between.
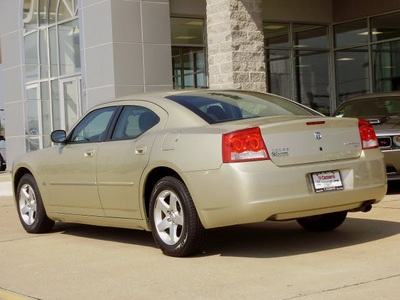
x: 134, y: 121
x: 93, y: 128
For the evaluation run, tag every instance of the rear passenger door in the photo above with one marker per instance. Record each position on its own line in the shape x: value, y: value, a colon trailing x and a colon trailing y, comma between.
x: 122, y: 159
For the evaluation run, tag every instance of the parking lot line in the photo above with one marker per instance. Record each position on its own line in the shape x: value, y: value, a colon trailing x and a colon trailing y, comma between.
x: 7, y: 295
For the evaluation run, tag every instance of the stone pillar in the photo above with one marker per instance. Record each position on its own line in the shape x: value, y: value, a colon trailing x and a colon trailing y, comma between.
x: 236, y: 44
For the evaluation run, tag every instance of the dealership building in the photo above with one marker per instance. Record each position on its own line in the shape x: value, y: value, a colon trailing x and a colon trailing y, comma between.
x: 61, y: 57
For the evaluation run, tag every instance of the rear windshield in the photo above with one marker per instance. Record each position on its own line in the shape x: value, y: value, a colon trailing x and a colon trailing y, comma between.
x: 371, y: 107
x: 224, y: 106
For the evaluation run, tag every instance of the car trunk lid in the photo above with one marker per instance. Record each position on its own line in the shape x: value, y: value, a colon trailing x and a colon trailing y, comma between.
x: 311, y: 140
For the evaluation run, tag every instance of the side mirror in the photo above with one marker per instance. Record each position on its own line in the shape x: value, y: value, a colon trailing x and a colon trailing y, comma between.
x: 59, y: 136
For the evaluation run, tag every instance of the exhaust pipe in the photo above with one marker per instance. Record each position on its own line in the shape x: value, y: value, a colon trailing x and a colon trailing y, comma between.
x: 365, y: 207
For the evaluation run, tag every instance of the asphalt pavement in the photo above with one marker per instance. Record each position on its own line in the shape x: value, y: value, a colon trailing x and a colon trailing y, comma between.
x: 360, y: 260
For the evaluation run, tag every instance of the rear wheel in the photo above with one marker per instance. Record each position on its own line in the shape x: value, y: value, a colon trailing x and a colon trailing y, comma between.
x: 30, y: 207
x: 324, y: 222
x: 175, y: 224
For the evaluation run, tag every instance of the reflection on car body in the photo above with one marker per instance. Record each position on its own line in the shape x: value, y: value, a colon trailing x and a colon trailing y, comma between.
x: 179, y: 163
x: 383, y: 112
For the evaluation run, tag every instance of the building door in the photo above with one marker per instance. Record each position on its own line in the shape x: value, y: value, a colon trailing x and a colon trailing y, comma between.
x: 70, y: 101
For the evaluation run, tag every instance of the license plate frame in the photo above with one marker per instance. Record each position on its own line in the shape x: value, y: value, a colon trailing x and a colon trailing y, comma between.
x: 327, y: 181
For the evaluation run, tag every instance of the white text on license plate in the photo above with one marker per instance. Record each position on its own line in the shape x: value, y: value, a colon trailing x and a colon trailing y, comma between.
x: 327, y: 181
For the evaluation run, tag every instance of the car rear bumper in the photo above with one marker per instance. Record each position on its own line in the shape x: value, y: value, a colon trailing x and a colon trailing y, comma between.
x: 249, y: 192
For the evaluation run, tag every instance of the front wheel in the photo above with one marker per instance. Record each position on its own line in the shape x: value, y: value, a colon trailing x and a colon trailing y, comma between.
x: 30, y: 207
x: 176, y: 227
x: 324, y: 222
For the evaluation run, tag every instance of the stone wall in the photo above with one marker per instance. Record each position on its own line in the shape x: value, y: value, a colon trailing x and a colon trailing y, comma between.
x: 236, y: 44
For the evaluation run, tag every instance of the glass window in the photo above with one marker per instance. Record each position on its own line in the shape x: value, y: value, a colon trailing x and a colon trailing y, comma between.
x: 351, y: 33
x: 188, y: 67
x: 187, y: 31
x: 177, y: 66
x: 70, y: 105
x: 312, y: 80
x: 52, y: 55
x: 46, y: 123
x: 188, y: 53
x: 53, y: 11
x: 43, y: 12
x: 298, y: 74
x: 64, y: 11
x: 134, y: 121
x: 276, y: 34
x: 278, y: 68
x: 70, y: 57
x: 224, y: 106
x: 53, y: 51
x: 30, y: 15
x: 352, y: 72
x: 55, y: 104
x: 385, y: 27
x: 33, y: 126
x: 93, y: 128
x: 46, y: 115
x: 310, y: 36
x: 386, y: 66
x: 31, y: 56
x: 44, y: 61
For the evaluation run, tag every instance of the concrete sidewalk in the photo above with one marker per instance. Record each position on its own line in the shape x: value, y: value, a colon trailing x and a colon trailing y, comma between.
x: 360, y: 260
x: 5, y: 184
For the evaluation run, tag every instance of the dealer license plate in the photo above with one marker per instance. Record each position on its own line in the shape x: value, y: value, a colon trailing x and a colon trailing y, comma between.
x: 327, y: 181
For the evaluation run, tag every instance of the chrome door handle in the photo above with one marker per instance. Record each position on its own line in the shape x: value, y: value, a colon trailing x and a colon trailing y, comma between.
x: 89, y: 153
x: 140, y: 150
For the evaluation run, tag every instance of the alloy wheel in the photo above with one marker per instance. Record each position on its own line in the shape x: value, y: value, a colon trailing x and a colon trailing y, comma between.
x: 168, y: 217
x: 27, y: 204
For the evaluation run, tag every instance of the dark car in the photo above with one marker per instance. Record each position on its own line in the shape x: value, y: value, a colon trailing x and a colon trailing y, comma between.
x: 2, y: 153
x: 383, y: 112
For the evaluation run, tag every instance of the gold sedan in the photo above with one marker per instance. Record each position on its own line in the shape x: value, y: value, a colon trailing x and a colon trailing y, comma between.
x: 179, y: 163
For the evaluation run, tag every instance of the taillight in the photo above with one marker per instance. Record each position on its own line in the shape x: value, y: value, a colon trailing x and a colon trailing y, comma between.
x: 367, y: 133
x: 243, y: 145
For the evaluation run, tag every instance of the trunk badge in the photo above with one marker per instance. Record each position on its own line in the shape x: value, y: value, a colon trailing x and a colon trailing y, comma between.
x: 318, y: 135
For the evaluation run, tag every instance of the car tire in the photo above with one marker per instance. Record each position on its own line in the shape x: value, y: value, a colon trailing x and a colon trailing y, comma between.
x: 176, y: 227
x: 31, y: 211
x: 324, y: 222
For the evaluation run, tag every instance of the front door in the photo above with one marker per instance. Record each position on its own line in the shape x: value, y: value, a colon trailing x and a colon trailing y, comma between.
x: 72, y: 176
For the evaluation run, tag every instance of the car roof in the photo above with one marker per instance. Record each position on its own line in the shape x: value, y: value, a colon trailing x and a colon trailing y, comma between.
x: 375, y: 95
x: 160, y: 97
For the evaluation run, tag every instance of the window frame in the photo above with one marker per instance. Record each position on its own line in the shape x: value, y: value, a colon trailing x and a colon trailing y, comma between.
x: 108, y: 129
x: 41, y: 21
x: 118, y: 118
x: 180, y: 47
